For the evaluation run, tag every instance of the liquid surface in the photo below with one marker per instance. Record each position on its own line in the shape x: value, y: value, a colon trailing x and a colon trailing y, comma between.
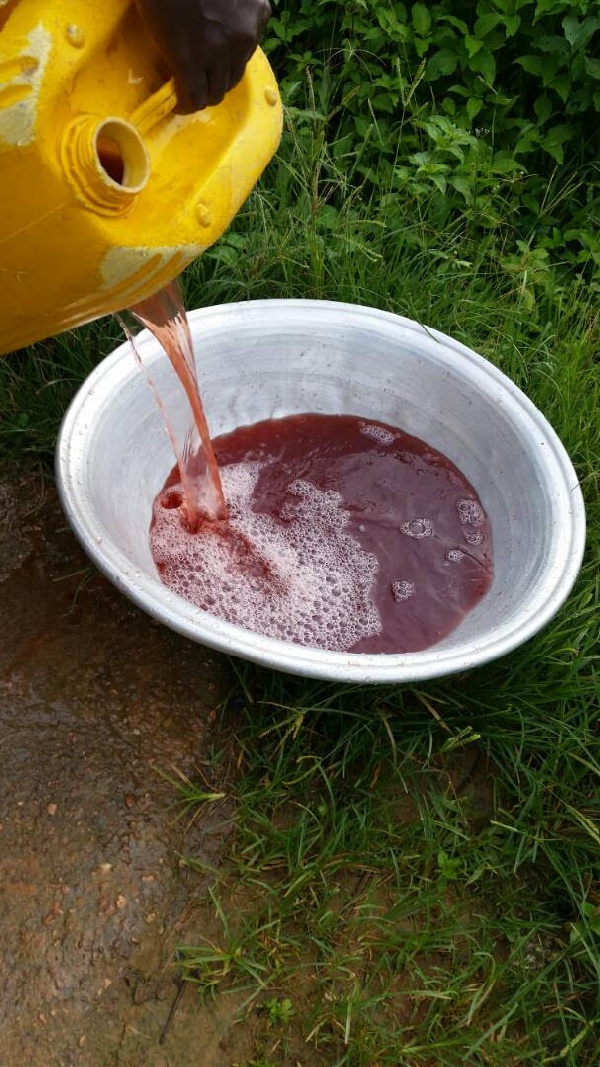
x: 343, y: 534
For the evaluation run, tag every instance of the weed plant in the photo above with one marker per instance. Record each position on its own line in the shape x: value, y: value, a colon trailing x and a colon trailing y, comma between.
x: 491, y: 107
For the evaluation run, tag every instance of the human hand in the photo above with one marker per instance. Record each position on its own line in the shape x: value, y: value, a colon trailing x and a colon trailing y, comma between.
x: 206, y: 43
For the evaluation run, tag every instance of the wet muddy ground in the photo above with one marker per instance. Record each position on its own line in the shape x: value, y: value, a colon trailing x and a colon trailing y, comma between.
x: 97, y: 705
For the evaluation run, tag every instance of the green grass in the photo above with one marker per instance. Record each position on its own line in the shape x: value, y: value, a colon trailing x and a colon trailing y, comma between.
x: 413, y: 875
x: 412, y: 869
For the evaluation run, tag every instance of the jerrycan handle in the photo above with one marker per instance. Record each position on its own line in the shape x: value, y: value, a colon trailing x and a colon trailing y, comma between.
x: 155, y: 108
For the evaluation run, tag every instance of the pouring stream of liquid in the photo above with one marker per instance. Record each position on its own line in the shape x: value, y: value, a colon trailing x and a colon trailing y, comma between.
x: 163, y: 314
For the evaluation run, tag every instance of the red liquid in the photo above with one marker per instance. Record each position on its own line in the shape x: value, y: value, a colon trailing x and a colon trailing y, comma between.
x: 342, y: 534
x: 202, y: 492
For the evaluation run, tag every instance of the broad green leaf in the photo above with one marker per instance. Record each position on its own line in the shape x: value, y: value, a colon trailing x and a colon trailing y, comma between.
x: 554, y: 149
x: 532, y: 64
x: 525, y: 144
x: 562, y: 132
x: 458, y: 24
x: 485, y: 64
x: 543, y: 108
x: 547, y: 7
x: 474, y: 106
x: 511, y: 24
x: 463, y: 186
x: 363, y: 125
x: 473, y: 45
x: 421, y: 19
x: 561, y: 84
x: 570, y: 25
x: 579, y: 33
x: 552, y: 42
x: 592, y: 67
x: 488, y: 22
x: 440, y: 64
x: 503, y: 163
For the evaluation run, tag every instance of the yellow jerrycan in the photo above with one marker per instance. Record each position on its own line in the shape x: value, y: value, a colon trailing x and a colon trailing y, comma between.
x: 105, y: 193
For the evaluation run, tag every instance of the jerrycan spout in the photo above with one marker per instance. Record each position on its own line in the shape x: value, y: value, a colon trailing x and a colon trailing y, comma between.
x: 106, y: 193
x: 106, y: 163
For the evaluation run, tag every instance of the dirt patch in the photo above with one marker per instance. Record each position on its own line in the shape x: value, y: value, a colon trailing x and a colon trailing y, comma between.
x: 97, y: 705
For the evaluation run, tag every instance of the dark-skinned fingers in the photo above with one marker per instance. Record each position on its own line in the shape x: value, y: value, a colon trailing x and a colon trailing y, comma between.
x: 191, y: 83
x: 206, y: 44
x: 192, y: 95
x: 237, y: 73
x: 264, y: 14
x: 218, y: 84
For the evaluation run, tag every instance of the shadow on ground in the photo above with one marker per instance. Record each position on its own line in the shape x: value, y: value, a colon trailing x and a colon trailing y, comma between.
x: 97, y: 704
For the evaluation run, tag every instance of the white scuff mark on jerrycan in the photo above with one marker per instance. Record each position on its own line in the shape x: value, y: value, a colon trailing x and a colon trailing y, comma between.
x: 21, y: 78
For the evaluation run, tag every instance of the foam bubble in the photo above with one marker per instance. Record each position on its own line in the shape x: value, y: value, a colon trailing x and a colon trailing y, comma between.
x: 377, y: 433
x: 299, y: 487
x: 403, y: 589
x: 473, y: 537
x: 417, y: 528
x: 308, y: 581
x: 470, y: 512
x: 455, y: 555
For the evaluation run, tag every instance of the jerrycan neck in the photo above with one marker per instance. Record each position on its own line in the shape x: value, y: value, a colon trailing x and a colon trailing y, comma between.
x: 106, y: 162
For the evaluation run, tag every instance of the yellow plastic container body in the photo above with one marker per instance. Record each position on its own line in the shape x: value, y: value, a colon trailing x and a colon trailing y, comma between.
x: 105, y: 194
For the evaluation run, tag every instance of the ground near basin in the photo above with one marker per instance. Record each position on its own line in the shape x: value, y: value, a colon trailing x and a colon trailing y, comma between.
x: 97, y: 705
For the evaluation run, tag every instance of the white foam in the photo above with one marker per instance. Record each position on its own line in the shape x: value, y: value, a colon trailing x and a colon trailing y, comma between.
x: 417, y: 528
x: 377, y: 433
x: 454, y: 555
x: 473, y: 537
x: 403, y: 589
x: 318, y: 581
x: 470, y: 512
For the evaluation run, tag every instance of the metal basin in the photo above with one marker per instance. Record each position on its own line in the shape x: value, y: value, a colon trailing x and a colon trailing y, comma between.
x: 270, y: 358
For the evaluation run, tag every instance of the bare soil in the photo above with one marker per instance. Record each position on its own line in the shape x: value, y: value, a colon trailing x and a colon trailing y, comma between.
x: 97, y: 706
